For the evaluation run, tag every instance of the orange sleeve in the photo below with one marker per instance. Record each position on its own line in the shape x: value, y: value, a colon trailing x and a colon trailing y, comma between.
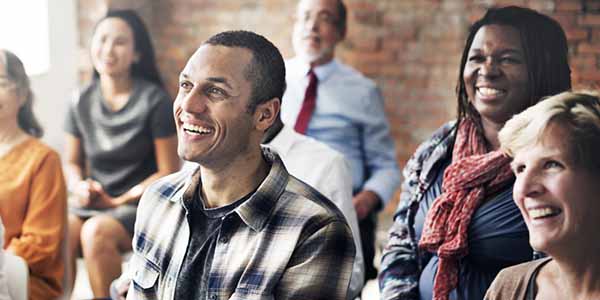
x: 44, y: 226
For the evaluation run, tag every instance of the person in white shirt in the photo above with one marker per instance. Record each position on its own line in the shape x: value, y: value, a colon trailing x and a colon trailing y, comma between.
x: 328, y: 172
x: 335, y: 104
x: 14, y: 273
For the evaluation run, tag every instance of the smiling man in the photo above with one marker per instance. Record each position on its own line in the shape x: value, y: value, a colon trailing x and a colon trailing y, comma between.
x: 238, y: 226
x: 335, y: 104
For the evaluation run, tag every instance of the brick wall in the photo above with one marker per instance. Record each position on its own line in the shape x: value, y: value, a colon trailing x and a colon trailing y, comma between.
x: 411, y: 48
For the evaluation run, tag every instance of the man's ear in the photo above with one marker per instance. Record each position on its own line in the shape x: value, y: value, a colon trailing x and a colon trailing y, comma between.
x: 266, y: 113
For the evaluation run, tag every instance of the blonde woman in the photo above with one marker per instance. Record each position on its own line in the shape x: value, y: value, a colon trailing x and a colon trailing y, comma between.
x: 555, y: 146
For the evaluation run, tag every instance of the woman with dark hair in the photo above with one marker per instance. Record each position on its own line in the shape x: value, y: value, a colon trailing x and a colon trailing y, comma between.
x: 120, y: 138
x: 456, y: 224
x: 33, y: 195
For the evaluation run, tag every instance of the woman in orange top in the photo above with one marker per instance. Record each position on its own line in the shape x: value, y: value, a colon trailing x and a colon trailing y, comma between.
x: 32, y: 187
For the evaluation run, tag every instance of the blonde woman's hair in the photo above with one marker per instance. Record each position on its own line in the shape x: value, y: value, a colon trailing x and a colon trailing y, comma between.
x: 577, y: 112
x: 16, y: 73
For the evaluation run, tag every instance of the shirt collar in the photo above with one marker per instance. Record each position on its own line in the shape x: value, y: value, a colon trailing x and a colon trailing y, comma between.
x: 258, y: 208
x: 322, y: 71
x: 283, y: 141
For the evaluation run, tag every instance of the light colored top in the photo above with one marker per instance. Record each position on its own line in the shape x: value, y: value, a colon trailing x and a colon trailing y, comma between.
x: 14, y: 273
x: 33, y: 205
x: 328, y: 172
x: 286, y: 241
x: 349, y: 117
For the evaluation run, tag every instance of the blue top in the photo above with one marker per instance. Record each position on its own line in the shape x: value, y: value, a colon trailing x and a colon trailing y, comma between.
x: 498, y: 238
x: 497, y: 235
x: 350, y: 118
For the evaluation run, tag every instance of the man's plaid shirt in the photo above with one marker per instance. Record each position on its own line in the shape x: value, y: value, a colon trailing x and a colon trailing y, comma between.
x: 287, y: 241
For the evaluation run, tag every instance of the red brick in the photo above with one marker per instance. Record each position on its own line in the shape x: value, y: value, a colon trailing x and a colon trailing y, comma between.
x: 410, y: 47
x: 353, y: 6
x: 543, y: 6
x: 500, y: 3
x: 566, y: 20
x: 596, y: 35
x: 569, y: 5
x: 592, y: 6
x: 475, y: 13
x: 589, y: 20
x: 591, y: 85
x: 392, y: 70
x: 584, y: 62
x: 584, y: 48
x: 455, y: 7
x: 592, y: 75
x: 368, y: 18
x: 575, y: 34
x: 372, y: 57
x: 392, y: 18
x: 394, y: 43
x: 359, y: 39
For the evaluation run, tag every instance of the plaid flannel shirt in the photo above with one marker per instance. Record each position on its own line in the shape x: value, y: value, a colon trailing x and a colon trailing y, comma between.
x: 287, y: 241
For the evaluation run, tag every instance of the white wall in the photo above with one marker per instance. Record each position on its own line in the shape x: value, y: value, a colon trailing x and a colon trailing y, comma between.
x: 53, y: 89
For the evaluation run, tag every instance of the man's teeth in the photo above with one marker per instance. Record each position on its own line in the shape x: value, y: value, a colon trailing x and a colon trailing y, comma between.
x: 485, y: 91
x: 195, y: 129
x: 538, y: 213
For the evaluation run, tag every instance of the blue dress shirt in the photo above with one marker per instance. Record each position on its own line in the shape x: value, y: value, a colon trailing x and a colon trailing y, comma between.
x: 350, y: 118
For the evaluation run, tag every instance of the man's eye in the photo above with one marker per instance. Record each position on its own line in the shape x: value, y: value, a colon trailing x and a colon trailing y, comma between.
x: 215, y: 93
x: 185, y: 85
x: 476, y: 58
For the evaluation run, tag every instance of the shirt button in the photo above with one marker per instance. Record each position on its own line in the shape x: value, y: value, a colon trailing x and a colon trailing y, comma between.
x: 213, y: 296
x: 223, y: 240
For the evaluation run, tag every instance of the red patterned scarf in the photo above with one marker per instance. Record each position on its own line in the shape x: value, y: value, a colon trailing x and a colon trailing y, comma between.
x: 471, y: 176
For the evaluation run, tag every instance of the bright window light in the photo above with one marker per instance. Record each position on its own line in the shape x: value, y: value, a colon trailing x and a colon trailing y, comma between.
x: 24, y: 31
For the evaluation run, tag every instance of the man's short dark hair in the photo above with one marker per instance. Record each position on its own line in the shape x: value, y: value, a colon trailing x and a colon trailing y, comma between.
x: 266, y: 70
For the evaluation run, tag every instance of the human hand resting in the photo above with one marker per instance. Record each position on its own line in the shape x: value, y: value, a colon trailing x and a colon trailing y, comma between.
x: 365, y: 202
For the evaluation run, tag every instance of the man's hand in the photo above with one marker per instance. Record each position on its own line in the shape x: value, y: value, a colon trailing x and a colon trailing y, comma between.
x: 365, y: 202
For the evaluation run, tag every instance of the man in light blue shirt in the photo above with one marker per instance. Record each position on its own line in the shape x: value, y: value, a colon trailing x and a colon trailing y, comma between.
x: 348, y: 115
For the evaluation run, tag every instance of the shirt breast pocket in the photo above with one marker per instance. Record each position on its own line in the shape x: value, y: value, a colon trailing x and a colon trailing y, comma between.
x: 145, y: 277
